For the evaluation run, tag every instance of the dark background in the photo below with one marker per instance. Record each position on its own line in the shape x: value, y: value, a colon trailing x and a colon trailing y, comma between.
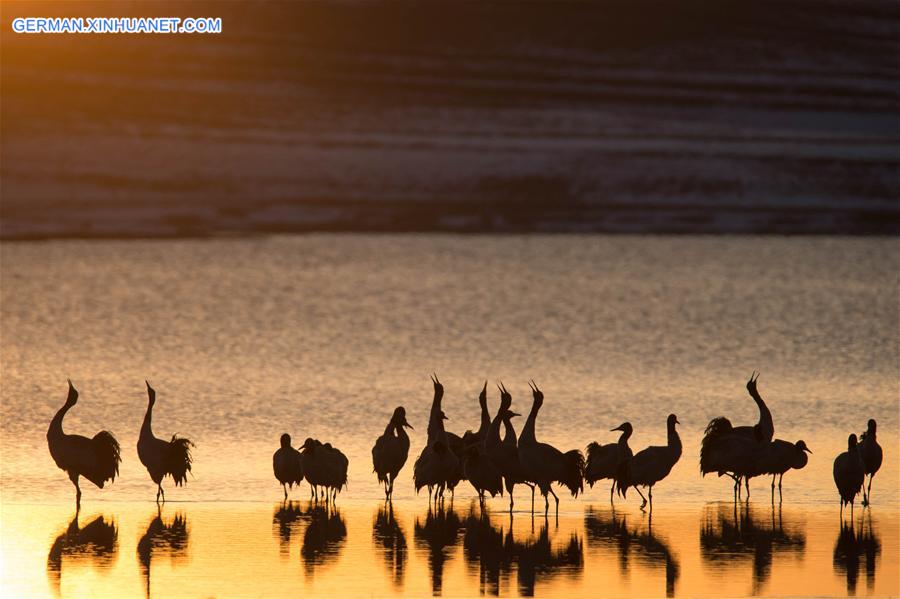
x: 632, y: 116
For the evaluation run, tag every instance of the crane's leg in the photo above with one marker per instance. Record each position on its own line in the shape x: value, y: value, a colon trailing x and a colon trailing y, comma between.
x: 532, y: 500
x: 611, y: 490
x: 644, y: 502
x: 284, y: 486
x: 557, y: 501
x: 546, y: 502
x: 747, y: 484
x: 74, y: 478
x: 780, y: 478
x: 650, y: 494
x: 867, y: 499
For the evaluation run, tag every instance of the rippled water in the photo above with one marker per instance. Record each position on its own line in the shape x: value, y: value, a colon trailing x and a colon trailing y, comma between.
x: 324, y: 335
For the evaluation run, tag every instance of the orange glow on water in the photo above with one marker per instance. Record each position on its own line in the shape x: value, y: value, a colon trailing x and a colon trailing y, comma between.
x: 255, y: 549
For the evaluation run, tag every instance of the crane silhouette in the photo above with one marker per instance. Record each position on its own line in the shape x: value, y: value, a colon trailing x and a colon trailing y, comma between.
x: 453, y: 441
x: 436, y: 463
x: 849, y: 473
x: 505, y: 453
x: 543, y: 463
x: 872, y: 457
x: 778, y: 457
x: 287, y: 463
x: 324, y: 466
x: 724, y: 451
x: 391, y: 451
x: 605, y: 461
x: 480, y: 466
x: 97, y: 459
x: 651, y: 465
x: 735, y: 450
x: 162, y: 458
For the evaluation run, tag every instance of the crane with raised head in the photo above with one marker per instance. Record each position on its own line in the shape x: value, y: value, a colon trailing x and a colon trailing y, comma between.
x: 162, y: 458
x: 97, y: 459
x: 545, y: 464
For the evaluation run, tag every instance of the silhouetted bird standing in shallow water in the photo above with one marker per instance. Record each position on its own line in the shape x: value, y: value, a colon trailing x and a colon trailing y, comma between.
x: 287, y: 464
x: 324, y: 466
x: 163, y: 458
x: 871, y: 456
x: 96, y: 459
x: 391, y: 451
x: 543, y: 463
x: 849, y: 473
x: 651, y: 465
x: 605, y: 461
x: 778, y: 457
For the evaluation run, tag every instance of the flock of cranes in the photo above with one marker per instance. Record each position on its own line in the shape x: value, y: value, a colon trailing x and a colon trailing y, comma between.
x: 488, y: 462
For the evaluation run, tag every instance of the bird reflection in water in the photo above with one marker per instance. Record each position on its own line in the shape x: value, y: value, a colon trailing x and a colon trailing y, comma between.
x: 855, y: 542
x: 610, y: 530
x: 489, y: 550
x: 732, y: 533
x: 324, y: 536
x: 391, y: 541
x: 494, y: 550
x: 286, y: 522
x: 437, y: 534
x: 163, y: 539
x: 95, y: 543
x: 653, y: 551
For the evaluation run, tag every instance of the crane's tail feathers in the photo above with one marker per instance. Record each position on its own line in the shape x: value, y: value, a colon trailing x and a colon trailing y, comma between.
x: 109, y: 456
x: 573, y: 472
x: 180, y: 459
x: 715, y: 431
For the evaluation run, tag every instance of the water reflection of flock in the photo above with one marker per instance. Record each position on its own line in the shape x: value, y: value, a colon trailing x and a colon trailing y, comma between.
x: 730, y: 535
x: 610, y: 530
x: 733, y: 534
x: 323, y: 536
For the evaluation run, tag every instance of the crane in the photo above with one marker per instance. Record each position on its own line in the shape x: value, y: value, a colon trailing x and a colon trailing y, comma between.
x: 97, y: 459
x: 162, y: 458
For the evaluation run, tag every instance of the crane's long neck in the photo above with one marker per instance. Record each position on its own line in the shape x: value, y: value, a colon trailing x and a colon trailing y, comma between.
x: 528, y: 435
x: 146, y: 429
x: 401, y: 433
x: 389, y: 429
x: 493, y: 432
x: 766, y: 425
x: 485, y: 419
x: 510, y: 436
x: 434, y: 419
x: 623, y: 440
x: 674, y: 441
x: 56, y: 429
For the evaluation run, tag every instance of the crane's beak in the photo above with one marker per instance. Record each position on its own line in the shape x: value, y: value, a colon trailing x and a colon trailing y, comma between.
x: 514, y: 414
x: 407, y: 425
x: 618, y: 428
x: 807, y: 450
